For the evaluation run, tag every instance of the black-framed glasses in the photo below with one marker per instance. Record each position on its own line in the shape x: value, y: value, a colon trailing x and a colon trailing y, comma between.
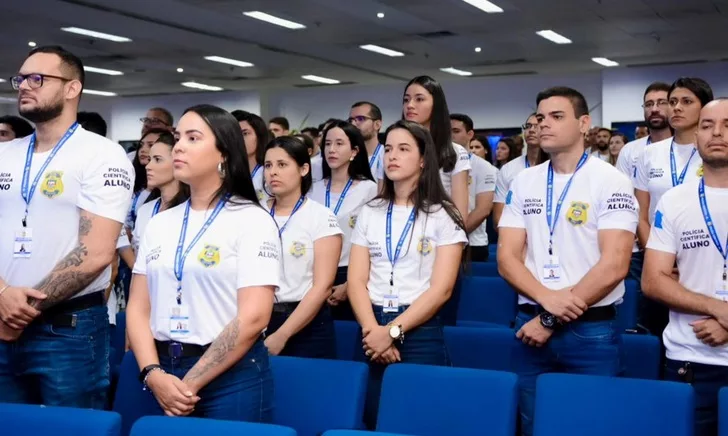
x: 358, y: 119
x: 529, y: 126
x: 649, y: 104
x: 35, y: 80
x: 146, y: 120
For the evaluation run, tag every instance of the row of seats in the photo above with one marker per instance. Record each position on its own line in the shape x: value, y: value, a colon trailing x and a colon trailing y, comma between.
x: 416, y: 400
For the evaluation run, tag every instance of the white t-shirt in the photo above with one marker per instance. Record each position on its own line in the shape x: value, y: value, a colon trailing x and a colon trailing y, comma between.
x: 482, y: 179
x: 359, y: 193
x: 137, y: 201
x: 653, y: 169
x: 144, y: 214
x: 112, y: 304
x: 310, y: 223
x: 240, y: 249
x: 377, y: 165
x: 89, y: 172
x: 507, y: 173
x: 600, y: 198
x: 597, y: 154
x: 259, y: 185
x: 317, y: 170
x: 627, y: 159
x: 413, y: 269
x: 462, y: 164
x: 680, y: 229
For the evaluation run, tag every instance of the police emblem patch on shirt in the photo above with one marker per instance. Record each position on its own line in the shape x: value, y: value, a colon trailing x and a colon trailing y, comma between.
x: 210, y: 256
x: 297, y: 249
x: 424, y: 246
x: 352, y: 221
x: 577, y: 213
x: 52, y: 185
x: 699, y: 172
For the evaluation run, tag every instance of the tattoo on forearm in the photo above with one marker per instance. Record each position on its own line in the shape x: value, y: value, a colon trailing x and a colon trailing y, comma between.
x: 84, y: 226
x: 218, y: 351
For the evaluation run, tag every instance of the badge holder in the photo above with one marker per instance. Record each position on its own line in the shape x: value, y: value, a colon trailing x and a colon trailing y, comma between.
x: 23, y: 244
x: 552, y: 270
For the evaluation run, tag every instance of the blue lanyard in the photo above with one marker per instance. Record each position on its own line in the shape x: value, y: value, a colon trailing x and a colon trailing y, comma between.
x: 649, y: 140
x: 673, y: 166
x: 552, y: 220
x: 528, y: 164
x: 298, y: 205
x: 402, y: 237
x: 711, y: 228
x: 26, y: 191
x: 255, y: 170
x: 157, y: 205
x: 372, y: 159
x: 179, y: 255
x: 341, y: 198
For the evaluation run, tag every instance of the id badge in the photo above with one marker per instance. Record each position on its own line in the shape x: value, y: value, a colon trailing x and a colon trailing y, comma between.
x: 179, y: 321
x: 552, y: 270
x: 23, y: 244
x: 721, y: 294
x: 391, y: 303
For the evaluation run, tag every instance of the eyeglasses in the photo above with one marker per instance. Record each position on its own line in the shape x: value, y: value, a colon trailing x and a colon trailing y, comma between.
x: 529, y: 126
x: 35, y: 80
x: 358, y: 119
x: 650, y: 104
x: 146, y: 120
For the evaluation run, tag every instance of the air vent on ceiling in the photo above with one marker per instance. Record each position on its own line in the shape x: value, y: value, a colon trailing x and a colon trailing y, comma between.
x: 514, y: 73
x: 662, y: 64
x: 436, y: 35
x: 499, y: 62
x: 315, y: 85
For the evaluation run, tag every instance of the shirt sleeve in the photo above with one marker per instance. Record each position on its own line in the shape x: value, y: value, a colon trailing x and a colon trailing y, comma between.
x: 640, y: 173
x: 448, y: 232
x: 359, y: 235
x: 463, y: 162
x: 106, y: 188
x: 662, y: 234
x: 328, y: 225
x: 123, y: 240
x: 489, y: 176
x: 513, y: 210
x: 501, y: 186
x: 624, y: 161
x: 140, y: 265
x: 258, y: 252
x: 617, y: 208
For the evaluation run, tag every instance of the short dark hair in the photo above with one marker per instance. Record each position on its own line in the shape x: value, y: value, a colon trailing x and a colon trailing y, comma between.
x: 167, y: 114
x: 20, y: 127
x: 604, y: 129
x: 69, y: 61
x: 374, y: 112
x: 93, y: 122
x: 697, y: 86
x: 307, y: 141
x: 314, y: 131
x: 656, y: 86
x: 466, y: 120
x: 296, y: 149
x: 262, y: 134
x: 281, y: 121
x: 578, y: 102
x: 325, y: 124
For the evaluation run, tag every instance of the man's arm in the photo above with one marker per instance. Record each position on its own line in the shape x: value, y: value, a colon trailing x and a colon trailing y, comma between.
x: 483, y: 206
x: 643, y: 227
x: 97, y: 238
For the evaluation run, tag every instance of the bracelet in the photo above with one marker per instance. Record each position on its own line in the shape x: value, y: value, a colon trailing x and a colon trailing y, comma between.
x: 4, y: 288
x: 158, y: 368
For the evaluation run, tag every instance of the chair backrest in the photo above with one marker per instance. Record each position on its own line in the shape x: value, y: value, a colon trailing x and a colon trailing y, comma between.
x: 627, y: 311
x: 163, y: 425
x: 33, y: 420
x: 487, y: 299
x: 723, y: 412
x: 641, y: 356
x: 315, y: 395
x: 577, y: 405
x: 437, y: 400
x: 348, y: 339
x: 484, y: 269
x: 480, y: 348
x: 131, y: 400
x: 359, y: 433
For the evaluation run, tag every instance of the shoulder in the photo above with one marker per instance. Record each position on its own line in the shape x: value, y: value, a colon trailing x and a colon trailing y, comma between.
x: 146, y: 208
x: 367, y: 186
x: 657, y: 147
x: 512, y: 167
x: 596, y: 167
x: 13, y: 149
x: 460, y: 151
x: 681, y: 194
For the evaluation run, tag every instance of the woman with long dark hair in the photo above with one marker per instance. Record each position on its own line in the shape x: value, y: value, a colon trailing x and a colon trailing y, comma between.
x: 301, y: 324
x: 347, y: 185
x: 480, y: 147
x: 141, y: 159
x: 505, y: 152
x: 405, y: 255
x: 204, y: 284
x: 256, y: 136
x: 424, y: 103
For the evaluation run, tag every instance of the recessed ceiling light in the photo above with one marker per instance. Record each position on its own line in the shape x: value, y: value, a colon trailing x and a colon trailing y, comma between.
x: 606, y: 62
x: 484, y: 6
x: 228, y: 61
x: 380, y: 15
x: 95, y: 34
x: 478, y: 49
x: 102, y: 71
x: 381, y: 50
x: 553, y: 36
x: 201, y: 86
x: 102, y: 93
x: 268, y: 18
x: 456, y: 72
x: 32, y: 43
x: 320, y: 79
x: 180, y: 70
x: 2, y: 80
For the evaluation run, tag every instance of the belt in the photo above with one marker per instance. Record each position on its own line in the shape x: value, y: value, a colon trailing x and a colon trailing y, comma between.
x: 285, y: 307
x: 61, y: 315
x: 593, y: 314
x: 178, y: 349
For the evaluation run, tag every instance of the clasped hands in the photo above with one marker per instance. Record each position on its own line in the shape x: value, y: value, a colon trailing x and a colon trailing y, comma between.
x: 379, y: 346
x: 562, y: 304
x: 16, y: 311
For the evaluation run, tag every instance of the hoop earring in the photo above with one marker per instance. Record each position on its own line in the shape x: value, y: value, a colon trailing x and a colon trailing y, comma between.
x: 220, y: 170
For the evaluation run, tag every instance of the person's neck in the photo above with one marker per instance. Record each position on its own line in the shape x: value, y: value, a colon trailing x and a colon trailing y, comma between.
x: 715, y: 177
x: 286, y: 202
x: 371, y: 145
x: 660, y: 135
x: 203, y: 193
x: 532, y: 154
x: 565, y: 161
x: 686, y: 136
x: 403, y: 191
x: 49, y: 133
x: 167, y: 193
x: 604, y: 152
x: 252, y: 163
x: 339, y: 177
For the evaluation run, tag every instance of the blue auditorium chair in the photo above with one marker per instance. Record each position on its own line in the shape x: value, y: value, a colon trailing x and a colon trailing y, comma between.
x: 641, y: 356
x: 33, y: 420
x: 484, y: 269
x: 723, y: 412
x: 315, y: 395
x: 131, y: 400
x: 163, y: 425
x: 359, y: 433
x: 480, y: 348
x: 348, y: 339
x: 438, y: 400
x: 578, y: 405
x: 487, y: 300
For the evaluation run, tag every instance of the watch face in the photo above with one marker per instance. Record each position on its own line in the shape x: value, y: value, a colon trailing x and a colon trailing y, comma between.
x: 394, y: 332
x: 548, y: 320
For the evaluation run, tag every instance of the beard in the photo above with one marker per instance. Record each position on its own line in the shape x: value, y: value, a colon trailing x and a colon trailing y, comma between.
x: 602, y: 146
x: 658, y: 123
x: 42, y: 114
x: 715, y: 162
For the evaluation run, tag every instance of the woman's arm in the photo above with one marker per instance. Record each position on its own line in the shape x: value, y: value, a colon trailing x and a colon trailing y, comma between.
x: 137, y: 323
x: 357, y: 280
x: 460, y: 195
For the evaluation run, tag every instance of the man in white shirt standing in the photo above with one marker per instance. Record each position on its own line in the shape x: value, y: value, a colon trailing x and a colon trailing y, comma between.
x: 602, y: 144
x: 690, y: 227
x: 61, y: 211
x: 574, y: 218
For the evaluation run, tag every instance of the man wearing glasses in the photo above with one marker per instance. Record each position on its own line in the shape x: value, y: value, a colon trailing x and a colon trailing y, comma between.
x: 64, y: 198
x: 157, y: 118
x: 534, y: 156
x: 367, y: 117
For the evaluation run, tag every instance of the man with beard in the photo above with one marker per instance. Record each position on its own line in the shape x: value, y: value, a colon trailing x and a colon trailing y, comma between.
x: 367, y: 117
x: 601, y: 149
x: 696, y: 336
x: 64, y: 194
x: 591, y: 139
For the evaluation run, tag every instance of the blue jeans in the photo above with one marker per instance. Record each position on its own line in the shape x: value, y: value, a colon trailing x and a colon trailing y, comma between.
x: 59, y: 366
x: 424, y: 345
x: 242, y: 393
x: 316, y: 340
x: 576, y: 348
x: 706, y: 381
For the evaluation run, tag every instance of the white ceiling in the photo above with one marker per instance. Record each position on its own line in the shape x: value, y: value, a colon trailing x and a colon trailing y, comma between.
x: 167, y: 34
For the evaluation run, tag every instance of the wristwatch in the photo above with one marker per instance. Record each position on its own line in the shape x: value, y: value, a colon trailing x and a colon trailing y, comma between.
x: 144, y: 373
x: 548, y: 320
x: 396, y: 333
